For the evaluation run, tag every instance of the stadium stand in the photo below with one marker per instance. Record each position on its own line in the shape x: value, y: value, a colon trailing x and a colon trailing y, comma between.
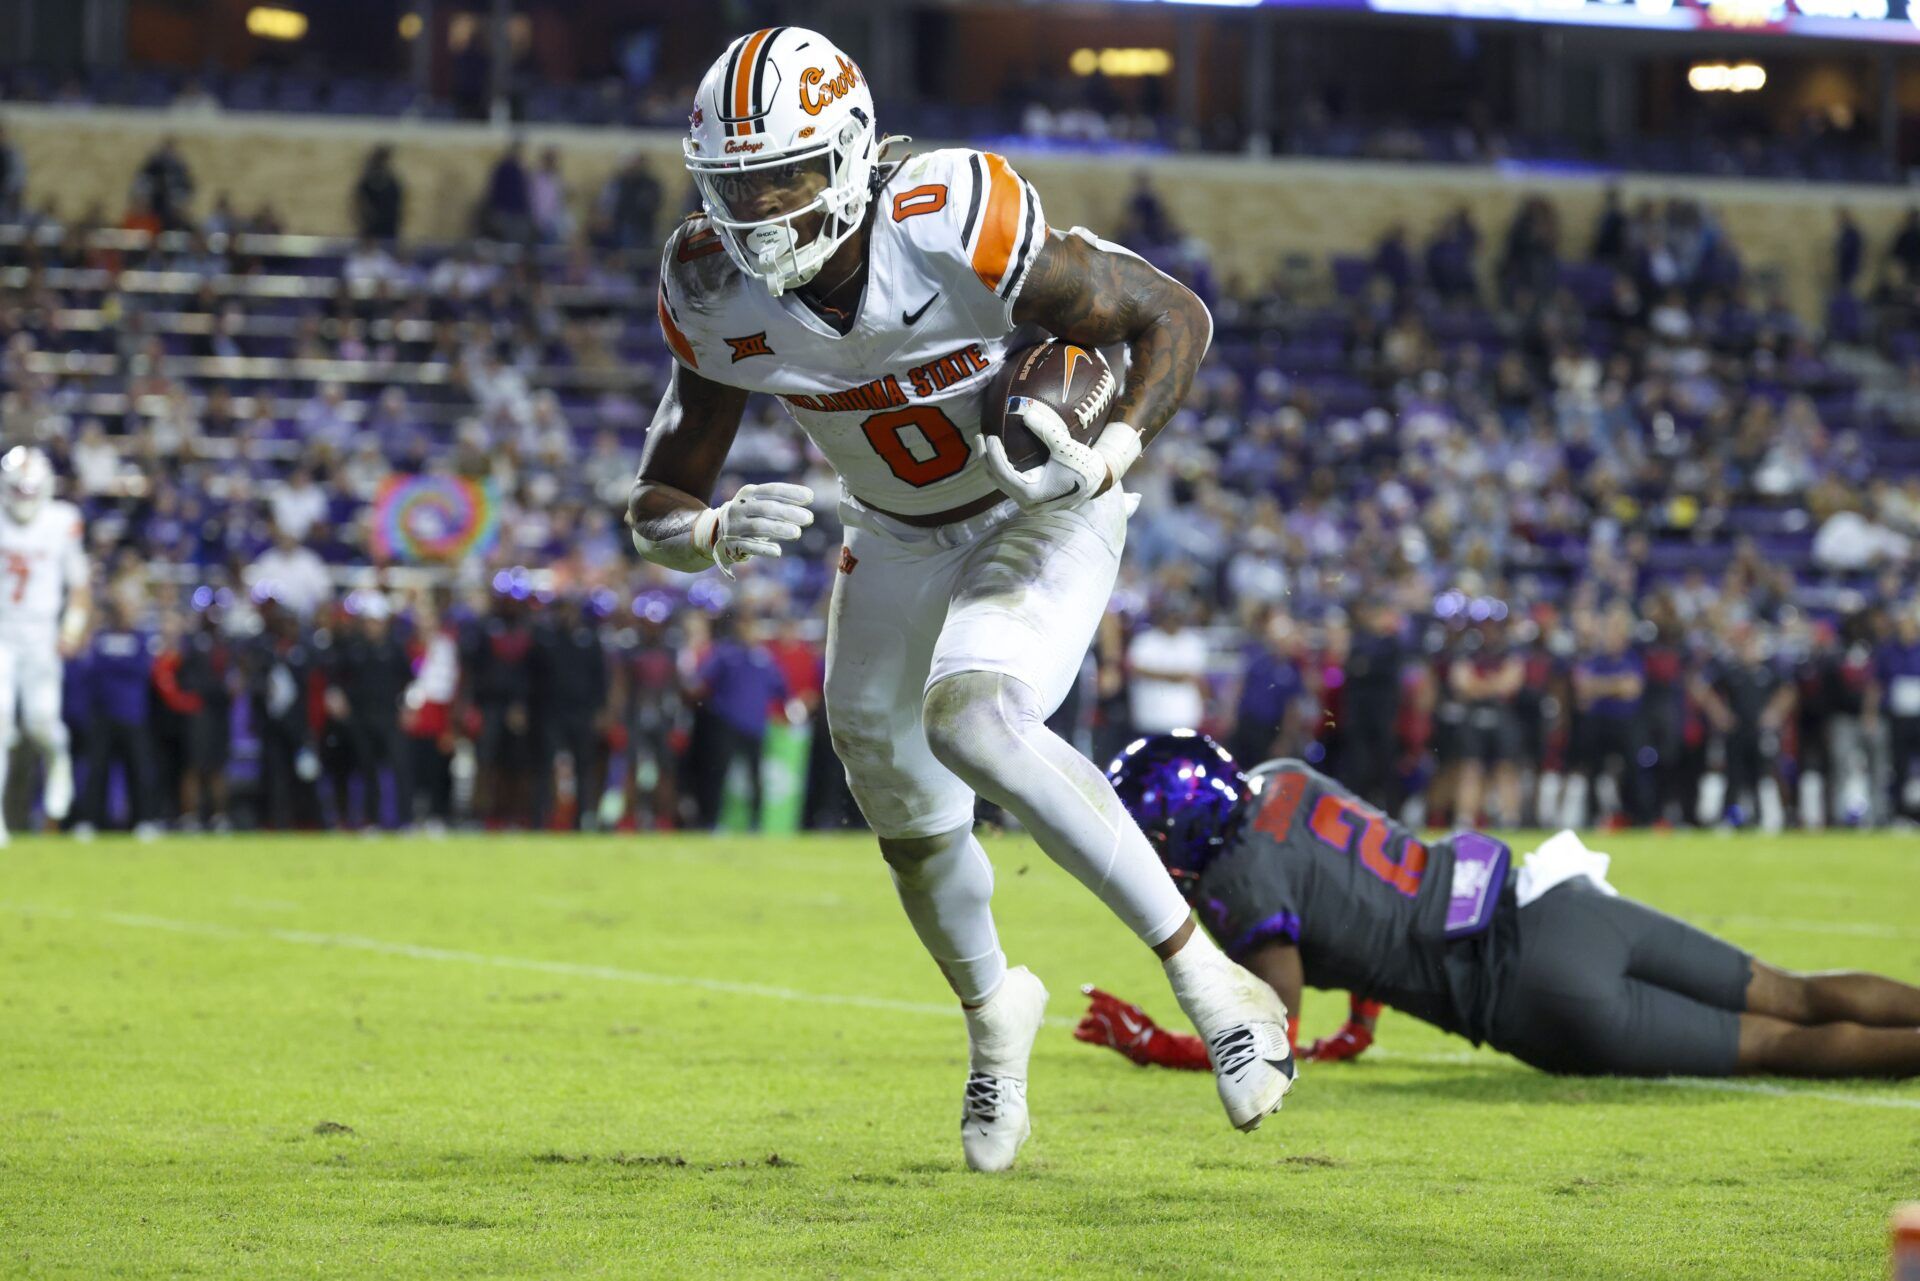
x: 1572, y: 455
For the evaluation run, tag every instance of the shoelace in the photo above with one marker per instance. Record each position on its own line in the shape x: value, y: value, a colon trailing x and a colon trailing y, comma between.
x: 983, y: 1098
x: 1232, y: 1050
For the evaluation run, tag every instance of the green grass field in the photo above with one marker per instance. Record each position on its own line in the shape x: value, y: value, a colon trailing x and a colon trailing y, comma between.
x: 692, y: 1056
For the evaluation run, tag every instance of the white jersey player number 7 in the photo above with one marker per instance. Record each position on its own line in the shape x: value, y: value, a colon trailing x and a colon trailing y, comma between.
x: 42, y: 557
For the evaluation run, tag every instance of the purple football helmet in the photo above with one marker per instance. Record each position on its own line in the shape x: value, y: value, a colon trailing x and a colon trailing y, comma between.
x: 1183, y: 790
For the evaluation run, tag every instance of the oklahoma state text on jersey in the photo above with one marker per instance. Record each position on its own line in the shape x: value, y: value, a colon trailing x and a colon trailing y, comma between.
x: 895, y: 403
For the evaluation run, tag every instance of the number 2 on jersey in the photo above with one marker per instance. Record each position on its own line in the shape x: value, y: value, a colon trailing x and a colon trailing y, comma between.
x: 887, y: 433
x: 1334, y: 821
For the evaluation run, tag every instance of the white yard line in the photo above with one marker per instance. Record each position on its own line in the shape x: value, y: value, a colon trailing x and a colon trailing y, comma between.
x: 617, y: 974
x: 1781, y: 1091
x: 1851, y: 929
x: 421, y: 952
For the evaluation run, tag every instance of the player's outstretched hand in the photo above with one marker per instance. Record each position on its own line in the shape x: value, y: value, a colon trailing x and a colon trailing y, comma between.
x: 1350, y: 1042
x: 1115, y: 1023
x: 1123, y: 1026
x: 1073, y: 473
x: 754, y: 522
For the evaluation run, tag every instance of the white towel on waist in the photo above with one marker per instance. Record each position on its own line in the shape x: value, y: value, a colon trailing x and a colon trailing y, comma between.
x: 1561, y: 857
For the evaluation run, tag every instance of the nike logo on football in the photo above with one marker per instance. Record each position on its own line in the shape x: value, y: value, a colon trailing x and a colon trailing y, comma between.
x: 913, y: 317
x: 1074, y: 357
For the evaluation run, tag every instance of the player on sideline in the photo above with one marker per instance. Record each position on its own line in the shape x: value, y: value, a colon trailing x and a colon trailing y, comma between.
x: 44, y: 602
x: 876, y: 299
x: 1307, y: 885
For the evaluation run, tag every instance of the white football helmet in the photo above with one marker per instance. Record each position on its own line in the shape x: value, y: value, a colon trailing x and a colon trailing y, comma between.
x: 780, y: 110
x: 26, y: 482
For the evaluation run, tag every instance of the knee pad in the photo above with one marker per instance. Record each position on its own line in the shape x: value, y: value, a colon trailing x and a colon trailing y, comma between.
x: 908, y: 855
x: 974, y: 720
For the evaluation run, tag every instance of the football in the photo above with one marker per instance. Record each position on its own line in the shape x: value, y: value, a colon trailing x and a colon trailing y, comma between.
x: 1075, y: 381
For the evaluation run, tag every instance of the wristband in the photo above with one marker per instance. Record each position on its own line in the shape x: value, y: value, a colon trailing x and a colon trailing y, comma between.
x: 1120, y: 446
x: 706, y: 532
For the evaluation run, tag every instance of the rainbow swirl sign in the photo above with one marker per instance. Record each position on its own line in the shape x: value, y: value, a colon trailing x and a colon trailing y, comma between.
x: 434, y: 520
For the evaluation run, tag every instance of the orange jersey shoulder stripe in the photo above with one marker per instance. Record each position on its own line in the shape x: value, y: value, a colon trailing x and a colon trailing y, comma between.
x: 1000, y: 225
x: 675, y: 339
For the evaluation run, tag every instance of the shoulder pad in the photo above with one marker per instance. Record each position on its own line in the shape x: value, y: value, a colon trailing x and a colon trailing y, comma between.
x: 972, y: 207
x: 68, y: 513
x: 694, y: 260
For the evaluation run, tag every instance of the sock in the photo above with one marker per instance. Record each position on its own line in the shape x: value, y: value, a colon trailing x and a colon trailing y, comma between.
x: 1813, y: 801
x: 1573, y: 802
x: 1773, y: 814
x: 1194, y: 974
x: 1713, y: 799
x: 1547, y: 799
x: 1198, y: 957
x: 989, y: 729
x: 945, y: 884
x: 993, y: 1048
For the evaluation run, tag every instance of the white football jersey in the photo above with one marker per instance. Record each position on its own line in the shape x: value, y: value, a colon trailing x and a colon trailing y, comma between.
x: 39, y: 561
x: 895, y: 403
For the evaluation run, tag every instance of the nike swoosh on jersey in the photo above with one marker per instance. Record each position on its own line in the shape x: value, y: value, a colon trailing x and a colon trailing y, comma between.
x: 912, y: 317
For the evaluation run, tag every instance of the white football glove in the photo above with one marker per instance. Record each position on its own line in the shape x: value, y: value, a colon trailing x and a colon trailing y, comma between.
x: 754, y: 522
x: 1073, y: 472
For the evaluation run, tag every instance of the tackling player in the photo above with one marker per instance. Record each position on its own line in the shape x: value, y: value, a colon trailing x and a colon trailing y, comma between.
x: 44, y: 601
x: 1307, y: 885
x: 875, y: 300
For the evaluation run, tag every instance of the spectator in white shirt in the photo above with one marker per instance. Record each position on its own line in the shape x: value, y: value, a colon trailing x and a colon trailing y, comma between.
x: 291, y: 574
x: 298, y: 505
x: 1168, y: 666
x: 96, y: 463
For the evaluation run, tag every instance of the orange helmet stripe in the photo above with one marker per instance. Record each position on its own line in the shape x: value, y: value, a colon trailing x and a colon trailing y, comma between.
x: 742, y: 94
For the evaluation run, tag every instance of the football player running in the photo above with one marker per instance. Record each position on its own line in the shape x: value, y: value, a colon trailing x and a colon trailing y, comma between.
x: 875, y: 299
x: 44, y: 601
x: 1308, y: 885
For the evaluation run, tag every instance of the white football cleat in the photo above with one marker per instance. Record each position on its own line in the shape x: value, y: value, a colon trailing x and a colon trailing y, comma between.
x: 1000, y: 1033
x: 1244, y: 1024
x: 57, y: 800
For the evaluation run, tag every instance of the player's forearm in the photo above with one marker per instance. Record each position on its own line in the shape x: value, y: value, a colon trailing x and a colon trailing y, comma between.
x: 1165, y: 355
x: 1092, y: 293
x: 74, y: 618
x: 664, y: 520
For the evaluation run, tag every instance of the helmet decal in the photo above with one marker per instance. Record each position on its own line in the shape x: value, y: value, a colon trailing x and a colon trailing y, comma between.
x: 814, y: 96
x: 746, y: 79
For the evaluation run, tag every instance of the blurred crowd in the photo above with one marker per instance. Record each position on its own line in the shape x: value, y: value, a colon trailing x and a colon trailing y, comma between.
x: 1524, y: 523
x: 1045, y: 108
x: 501, y: 708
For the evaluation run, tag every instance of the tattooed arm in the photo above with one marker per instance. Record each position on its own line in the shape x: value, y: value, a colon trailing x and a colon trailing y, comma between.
x: 1093, y: 295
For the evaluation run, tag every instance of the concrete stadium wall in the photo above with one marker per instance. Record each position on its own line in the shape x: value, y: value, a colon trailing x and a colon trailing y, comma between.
x: 1253, y: 213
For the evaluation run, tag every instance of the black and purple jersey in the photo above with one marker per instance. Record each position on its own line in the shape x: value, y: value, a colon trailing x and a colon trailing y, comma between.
x: 1373, y: 910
